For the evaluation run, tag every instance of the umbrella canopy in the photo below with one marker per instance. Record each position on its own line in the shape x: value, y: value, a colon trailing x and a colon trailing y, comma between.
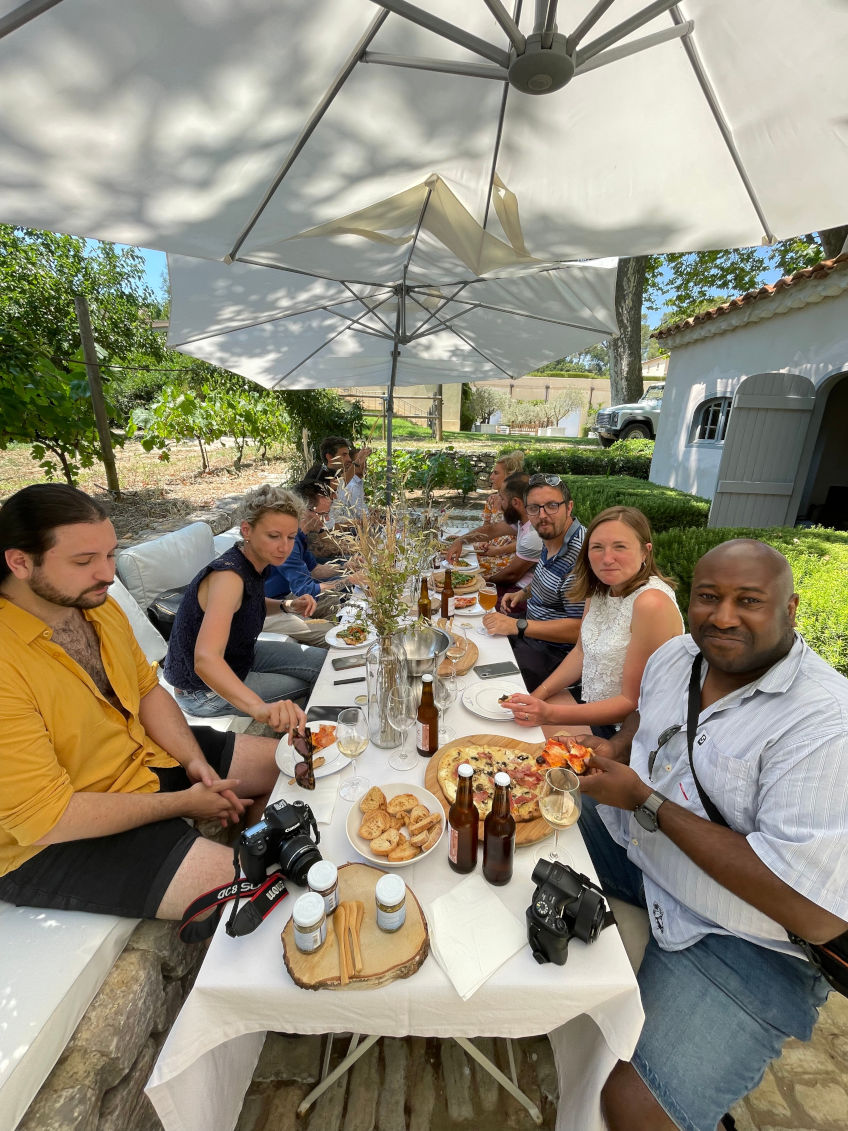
x: 224, y: 130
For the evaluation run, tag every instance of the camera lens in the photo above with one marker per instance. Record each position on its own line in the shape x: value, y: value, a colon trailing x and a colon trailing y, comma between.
x: 297, y: 855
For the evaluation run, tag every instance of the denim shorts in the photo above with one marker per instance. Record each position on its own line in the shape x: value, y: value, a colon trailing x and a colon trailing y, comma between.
x: 716, y: 1013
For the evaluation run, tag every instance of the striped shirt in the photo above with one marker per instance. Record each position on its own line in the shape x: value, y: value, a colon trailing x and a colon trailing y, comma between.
x: 773, y: 758
x: 548, y: 589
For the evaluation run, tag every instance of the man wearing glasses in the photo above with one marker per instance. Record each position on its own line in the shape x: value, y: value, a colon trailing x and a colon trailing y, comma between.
x: 548, y: 632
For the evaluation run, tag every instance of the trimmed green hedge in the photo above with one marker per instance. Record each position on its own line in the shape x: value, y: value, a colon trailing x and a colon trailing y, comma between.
x: 819, y: 560
x: 625, y: 457
x: 664, y: 507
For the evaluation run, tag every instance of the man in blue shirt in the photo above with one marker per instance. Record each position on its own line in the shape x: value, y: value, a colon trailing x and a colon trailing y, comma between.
x: 550, y: 629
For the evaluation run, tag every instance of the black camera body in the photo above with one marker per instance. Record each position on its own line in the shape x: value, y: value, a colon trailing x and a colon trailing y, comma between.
x: 563, y: 907
x: 281, y: 837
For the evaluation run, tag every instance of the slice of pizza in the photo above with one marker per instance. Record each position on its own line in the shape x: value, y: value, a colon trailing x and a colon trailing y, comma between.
x: 323, y: 737
x: 566, y: 751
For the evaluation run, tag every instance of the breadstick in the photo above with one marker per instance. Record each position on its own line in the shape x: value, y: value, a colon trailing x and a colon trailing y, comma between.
x: 341, y: 935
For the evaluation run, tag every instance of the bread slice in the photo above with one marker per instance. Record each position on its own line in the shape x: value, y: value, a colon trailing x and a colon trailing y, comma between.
x: 403, y: 852
x: 419, y: 839
x: 373, y: 799
x: 425, y: 823
x: 374, y: 823
x: 418, y: 813
x: 432, y: 838
x: 385, y: 842
x: 402, y: 803
x: 397, y: 822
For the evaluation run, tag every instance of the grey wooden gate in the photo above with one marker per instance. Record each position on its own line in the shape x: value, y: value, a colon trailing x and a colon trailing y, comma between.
x: 763, y: 450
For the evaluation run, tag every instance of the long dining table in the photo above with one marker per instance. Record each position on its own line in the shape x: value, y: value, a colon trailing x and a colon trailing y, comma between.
x: 590, y: 1007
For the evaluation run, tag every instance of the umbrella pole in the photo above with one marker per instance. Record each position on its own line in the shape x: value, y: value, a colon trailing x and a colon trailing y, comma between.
x: 390, y: 408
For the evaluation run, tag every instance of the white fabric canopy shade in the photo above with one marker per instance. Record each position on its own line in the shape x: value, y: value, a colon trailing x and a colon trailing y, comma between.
x: 224, y: 129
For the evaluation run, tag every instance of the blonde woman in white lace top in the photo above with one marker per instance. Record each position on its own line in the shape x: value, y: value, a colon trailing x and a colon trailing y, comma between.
x: 630, y: 611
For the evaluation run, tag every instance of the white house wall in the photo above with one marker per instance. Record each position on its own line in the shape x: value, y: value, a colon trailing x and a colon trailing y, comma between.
x: 812, y: 341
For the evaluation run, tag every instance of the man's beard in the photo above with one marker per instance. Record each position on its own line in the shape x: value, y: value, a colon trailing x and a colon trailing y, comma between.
x: 88, y: 599
x: 511, y: 515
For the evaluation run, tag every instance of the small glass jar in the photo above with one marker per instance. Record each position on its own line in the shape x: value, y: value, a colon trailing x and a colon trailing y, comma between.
x: 323, y: 878
x: 310, y: 922
x: 390, y: 895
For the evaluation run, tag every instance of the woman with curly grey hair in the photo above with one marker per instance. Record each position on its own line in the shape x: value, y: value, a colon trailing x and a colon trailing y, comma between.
x: 215, y: 662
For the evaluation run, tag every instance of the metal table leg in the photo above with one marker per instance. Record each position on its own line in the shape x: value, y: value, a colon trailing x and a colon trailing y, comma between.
x: 504, y: 1081
x: 355, y: 1051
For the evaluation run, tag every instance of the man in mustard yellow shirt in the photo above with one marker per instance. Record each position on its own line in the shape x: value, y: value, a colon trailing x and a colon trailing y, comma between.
x: 97, y: 764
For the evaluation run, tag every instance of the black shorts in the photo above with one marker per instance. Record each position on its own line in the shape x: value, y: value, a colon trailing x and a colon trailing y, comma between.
x: 126, y: 873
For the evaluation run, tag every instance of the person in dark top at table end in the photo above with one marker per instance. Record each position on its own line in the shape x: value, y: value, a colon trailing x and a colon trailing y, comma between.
x: 548, y: 632
x: 215, y: 662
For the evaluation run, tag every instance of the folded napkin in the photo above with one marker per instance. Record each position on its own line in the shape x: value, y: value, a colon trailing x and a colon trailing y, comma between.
x: 472, y: 934
x: 321, y: 800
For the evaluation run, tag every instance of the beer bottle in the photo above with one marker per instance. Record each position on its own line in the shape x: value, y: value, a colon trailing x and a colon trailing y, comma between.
x: 424, y: 600
x: 428, y: 720
x: 463, y: 822
x: 448, y: 598
x: 499, y: 835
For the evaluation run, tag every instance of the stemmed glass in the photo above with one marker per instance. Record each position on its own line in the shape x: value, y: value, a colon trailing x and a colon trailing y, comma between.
x: 560, y: 802
x: 402, y: 711
x: 352, y: 739
x: 444, y: 694
x: 458, y: 645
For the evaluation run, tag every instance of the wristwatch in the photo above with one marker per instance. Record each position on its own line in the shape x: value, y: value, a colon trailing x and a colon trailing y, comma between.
x: 646, y: 813
x: 521, y: 625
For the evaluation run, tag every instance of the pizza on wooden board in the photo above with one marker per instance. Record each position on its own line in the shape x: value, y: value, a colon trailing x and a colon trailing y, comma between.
x: 523, y: 770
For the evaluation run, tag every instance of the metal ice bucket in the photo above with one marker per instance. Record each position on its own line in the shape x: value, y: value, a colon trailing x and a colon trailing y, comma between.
x: 424, y: 646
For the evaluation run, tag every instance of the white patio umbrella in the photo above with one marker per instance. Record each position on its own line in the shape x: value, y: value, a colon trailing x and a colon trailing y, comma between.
x: 223, y: 129
x: 433, y: 320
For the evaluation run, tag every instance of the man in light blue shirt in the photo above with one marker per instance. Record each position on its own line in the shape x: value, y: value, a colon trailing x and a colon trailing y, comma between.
x: 731, y: 856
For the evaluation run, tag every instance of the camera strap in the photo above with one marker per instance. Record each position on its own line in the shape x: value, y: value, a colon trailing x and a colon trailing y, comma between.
x: 609, y: 916
x: 830, y: 958
x: 262, y: 899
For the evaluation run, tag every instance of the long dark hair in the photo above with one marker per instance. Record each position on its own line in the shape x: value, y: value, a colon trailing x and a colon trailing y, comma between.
x: 585, y: 583
x: 28, y: 519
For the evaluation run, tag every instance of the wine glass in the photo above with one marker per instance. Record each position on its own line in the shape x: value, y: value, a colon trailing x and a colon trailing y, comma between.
x: 402, y: 710
x: 560, y: 803
x: 444, y: 695
x: 351, y: 739
x: 458, y: 646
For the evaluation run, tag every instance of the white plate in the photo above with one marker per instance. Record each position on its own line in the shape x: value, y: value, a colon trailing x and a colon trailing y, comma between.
x: 475, y: 610
x: 335, y: 641
x: 360, y: 844
x: 334, y: 760
x: 482, y: 698
x: 472, y: 567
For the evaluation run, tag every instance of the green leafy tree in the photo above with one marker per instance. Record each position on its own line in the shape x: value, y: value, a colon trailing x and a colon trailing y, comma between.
x: 45, y: 398
x: 485, y: 402
x: 321, y: 412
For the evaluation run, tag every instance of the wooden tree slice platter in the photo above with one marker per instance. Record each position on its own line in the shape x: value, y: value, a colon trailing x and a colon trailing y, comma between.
x: 472, y: 655
x: 385, y: 957
x: 526, y: 832
x: 438, y: 579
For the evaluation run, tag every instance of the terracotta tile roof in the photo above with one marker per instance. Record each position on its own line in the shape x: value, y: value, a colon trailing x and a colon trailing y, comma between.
x: 819, y: 271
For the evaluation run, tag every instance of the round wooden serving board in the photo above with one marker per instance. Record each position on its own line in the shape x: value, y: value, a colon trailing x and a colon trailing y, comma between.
x: 472, y: 655
x: 385, y: 957
x: 526, y: 832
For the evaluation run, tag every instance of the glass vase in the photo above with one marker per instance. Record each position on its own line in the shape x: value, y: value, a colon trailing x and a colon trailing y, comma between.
x: 385, y: 668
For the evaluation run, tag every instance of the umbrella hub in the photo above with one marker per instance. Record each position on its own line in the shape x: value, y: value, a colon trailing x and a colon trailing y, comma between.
x: 541, y: 70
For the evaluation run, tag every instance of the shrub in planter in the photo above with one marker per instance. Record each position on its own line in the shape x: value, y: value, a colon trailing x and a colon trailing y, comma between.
x: 819, y: 560
x: 592, y: 461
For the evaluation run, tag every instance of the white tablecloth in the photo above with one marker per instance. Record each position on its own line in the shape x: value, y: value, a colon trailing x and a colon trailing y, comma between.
x: 590, y: 1007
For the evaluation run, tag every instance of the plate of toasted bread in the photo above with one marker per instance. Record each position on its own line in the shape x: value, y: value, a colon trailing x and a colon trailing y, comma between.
x: 395, y: 825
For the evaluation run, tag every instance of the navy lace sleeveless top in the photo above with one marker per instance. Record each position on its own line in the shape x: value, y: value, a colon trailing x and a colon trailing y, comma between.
x: 245, y: 628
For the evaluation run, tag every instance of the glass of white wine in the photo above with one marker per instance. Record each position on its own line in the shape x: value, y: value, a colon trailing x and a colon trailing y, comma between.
x: 560, y: 803
x: 458, y: 645
x: 352, y: 739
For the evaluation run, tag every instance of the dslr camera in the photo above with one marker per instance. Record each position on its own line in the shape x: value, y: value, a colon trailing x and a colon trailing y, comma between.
x: 281, y: 837
x: 563, y: 907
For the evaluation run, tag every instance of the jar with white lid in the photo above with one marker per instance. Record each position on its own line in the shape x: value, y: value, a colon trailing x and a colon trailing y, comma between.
x: 323, y: 878
x: 310, y: 922
x: 390, y: 895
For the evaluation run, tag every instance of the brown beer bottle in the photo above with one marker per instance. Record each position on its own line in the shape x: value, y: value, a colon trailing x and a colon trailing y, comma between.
x: 428, y: 720
x: 463, y: 822
x: 499, y: 835
x: 448, y: 598
x: 424, y: 601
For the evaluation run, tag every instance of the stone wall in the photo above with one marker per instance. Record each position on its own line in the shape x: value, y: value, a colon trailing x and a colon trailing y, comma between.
x: 98, y: 1082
